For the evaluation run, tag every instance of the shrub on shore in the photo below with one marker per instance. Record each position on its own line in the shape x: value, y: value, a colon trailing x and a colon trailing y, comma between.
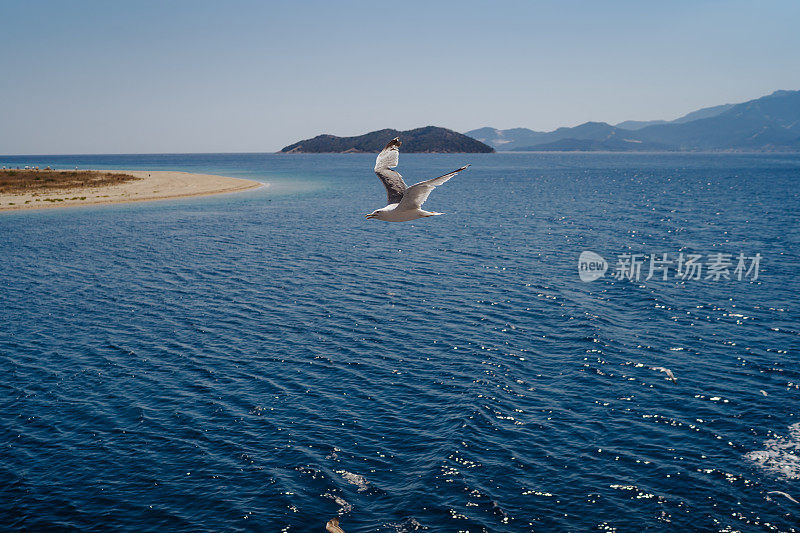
x: 19, y: 181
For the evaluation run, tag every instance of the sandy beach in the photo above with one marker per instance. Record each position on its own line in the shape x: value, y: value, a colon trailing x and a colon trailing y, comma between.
x: 151, y: 185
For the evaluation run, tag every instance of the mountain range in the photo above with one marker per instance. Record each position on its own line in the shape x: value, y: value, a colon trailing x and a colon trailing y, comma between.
x: 770, y: 123
x: 430, y: 139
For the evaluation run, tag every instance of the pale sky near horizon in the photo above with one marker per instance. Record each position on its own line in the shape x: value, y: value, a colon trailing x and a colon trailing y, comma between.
x: 172, y: 77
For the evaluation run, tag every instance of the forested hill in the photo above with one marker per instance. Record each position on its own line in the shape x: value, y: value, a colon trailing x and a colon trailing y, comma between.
x: 430, y: 139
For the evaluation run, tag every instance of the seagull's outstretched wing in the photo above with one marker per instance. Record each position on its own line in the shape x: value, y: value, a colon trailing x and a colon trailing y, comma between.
x: 416, y: 195
x: 392, y: 180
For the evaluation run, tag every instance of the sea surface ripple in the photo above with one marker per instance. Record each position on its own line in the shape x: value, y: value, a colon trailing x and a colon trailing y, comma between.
x: 267, y: 360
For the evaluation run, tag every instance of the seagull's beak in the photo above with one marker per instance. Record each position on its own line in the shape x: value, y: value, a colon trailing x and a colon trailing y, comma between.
x: 368, y: 216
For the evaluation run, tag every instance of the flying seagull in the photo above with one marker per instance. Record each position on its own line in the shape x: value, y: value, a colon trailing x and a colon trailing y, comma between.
x: 405, y: 203
x: 782, y: 494
x: 667, y: 371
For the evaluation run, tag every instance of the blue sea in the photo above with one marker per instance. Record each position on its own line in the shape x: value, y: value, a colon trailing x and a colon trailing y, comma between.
x: 267, y: 360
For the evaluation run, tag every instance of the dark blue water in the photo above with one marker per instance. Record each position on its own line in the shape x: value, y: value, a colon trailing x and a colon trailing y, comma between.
x: 267, y: 360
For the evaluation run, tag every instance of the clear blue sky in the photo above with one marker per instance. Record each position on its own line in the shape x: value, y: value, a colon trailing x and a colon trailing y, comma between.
x: 141, y: 76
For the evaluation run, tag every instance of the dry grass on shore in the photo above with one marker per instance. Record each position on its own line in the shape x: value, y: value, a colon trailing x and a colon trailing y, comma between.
x: 26, y: 181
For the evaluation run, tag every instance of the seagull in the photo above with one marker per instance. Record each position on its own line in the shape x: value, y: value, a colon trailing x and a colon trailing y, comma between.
x: 667, y: 371
x: 405, y: 203
x: 781, y: 493
x: 333, y: 525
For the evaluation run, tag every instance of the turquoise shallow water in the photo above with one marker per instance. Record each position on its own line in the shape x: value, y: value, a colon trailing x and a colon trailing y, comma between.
x: 266, y: 360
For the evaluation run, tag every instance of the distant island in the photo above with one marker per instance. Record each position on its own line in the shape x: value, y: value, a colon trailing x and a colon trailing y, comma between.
x: 770, y: 123
x: 430, y: 139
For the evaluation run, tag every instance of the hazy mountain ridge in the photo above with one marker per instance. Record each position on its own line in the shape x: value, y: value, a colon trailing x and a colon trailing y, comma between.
x: 430, y: 139
x: 770, y: 123
x: 705, y: 112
